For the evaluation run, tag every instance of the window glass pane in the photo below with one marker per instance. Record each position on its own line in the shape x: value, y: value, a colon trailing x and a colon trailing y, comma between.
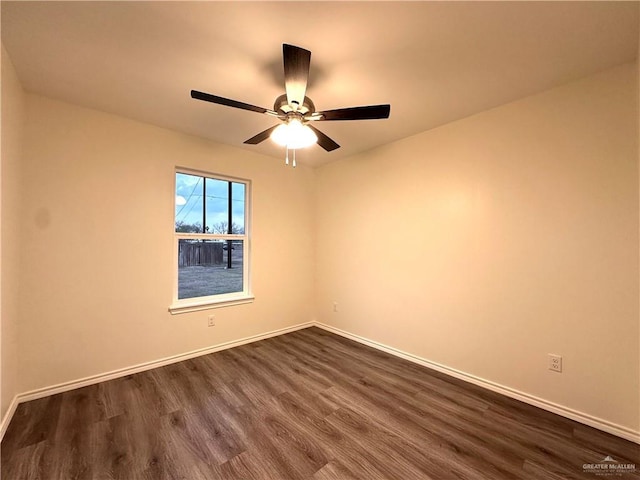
x: 188, y: 203
x: 209, y: 267
x: 237, y: 208
x: 217, y: 204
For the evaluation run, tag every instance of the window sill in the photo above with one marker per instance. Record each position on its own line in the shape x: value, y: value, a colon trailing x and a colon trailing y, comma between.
x: 195, y: 306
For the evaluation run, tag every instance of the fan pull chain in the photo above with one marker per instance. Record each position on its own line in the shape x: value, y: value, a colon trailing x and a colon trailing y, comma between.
x: 286, y: 158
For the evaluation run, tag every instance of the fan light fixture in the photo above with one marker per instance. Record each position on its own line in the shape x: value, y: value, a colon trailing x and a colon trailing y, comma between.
x: 295, y: 110
x: 294, y: 135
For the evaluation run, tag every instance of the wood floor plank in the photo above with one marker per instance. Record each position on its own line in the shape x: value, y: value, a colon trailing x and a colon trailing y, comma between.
x: 32, y: 423
x: 26, y: 463
x: 243, y: 466
x: 308, y: 405
x: 420, y: 444
x: 408, y: 415
x: 599, y: 441
x: 335, y: 470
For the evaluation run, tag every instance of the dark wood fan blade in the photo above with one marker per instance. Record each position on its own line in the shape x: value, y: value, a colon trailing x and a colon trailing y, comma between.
x: 207, y: 97
x: 324, y: 141
x: 261, y: 137
x: 296, y: 72
x: 371, y: 112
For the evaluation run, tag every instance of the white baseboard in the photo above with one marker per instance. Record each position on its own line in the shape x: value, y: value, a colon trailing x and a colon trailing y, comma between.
x: 8, y: 416
x: 580, y: 417
x: 123, y: 372
x: 561, y: 410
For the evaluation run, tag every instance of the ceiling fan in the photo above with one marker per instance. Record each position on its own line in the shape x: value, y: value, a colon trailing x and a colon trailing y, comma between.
x: 295, y: 110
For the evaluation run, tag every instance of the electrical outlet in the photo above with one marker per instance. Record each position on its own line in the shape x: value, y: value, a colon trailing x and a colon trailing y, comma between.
x: 555, y: 363
x: 335, y: 306
x: 212, y: 321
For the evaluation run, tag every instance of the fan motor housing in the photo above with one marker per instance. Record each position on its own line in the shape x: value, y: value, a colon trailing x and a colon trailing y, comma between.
x: 281, y: 106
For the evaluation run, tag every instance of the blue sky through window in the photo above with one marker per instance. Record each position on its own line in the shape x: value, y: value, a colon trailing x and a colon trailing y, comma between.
x: 189, y: 204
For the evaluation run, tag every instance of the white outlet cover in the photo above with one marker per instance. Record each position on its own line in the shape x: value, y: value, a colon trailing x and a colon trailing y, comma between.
x: 555, y: 363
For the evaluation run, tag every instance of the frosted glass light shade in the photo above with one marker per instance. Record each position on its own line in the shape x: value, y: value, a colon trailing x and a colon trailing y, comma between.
x: 294, y: 135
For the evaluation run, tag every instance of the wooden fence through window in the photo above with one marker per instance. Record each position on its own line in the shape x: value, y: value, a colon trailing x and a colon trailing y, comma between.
x: 192, y: 254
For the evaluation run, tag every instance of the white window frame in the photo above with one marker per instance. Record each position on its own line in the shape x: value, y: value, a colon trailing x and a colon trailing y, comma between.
x: 226, y: 299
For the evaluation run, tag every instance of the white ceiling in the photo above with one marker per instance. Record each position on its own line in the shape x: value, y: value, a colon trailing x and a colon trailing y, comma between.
x: 434, y: 62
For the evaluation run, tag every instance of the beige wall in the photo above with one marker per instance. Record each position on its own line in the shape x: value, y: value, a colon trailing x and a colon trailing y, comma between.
x: 11, y: 131
x: 98, y: 219
x: 482, y: 245
x: 486, y: 244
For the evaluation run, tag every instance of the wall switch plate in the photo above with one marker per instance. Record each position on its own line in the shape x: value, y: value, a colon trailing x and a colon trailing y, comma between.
x: 335, y: 306
x: 212, y: 321
x: 555, y: 363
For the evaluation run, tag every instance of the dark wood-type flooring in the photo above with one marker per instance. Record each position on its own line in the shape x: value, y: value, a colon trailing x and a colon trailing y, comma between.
x: 306, y: 405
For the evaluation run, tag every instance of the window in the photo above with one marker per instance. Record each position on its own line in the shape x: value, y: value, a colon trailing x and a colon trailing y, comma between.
x: 211, y: 241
